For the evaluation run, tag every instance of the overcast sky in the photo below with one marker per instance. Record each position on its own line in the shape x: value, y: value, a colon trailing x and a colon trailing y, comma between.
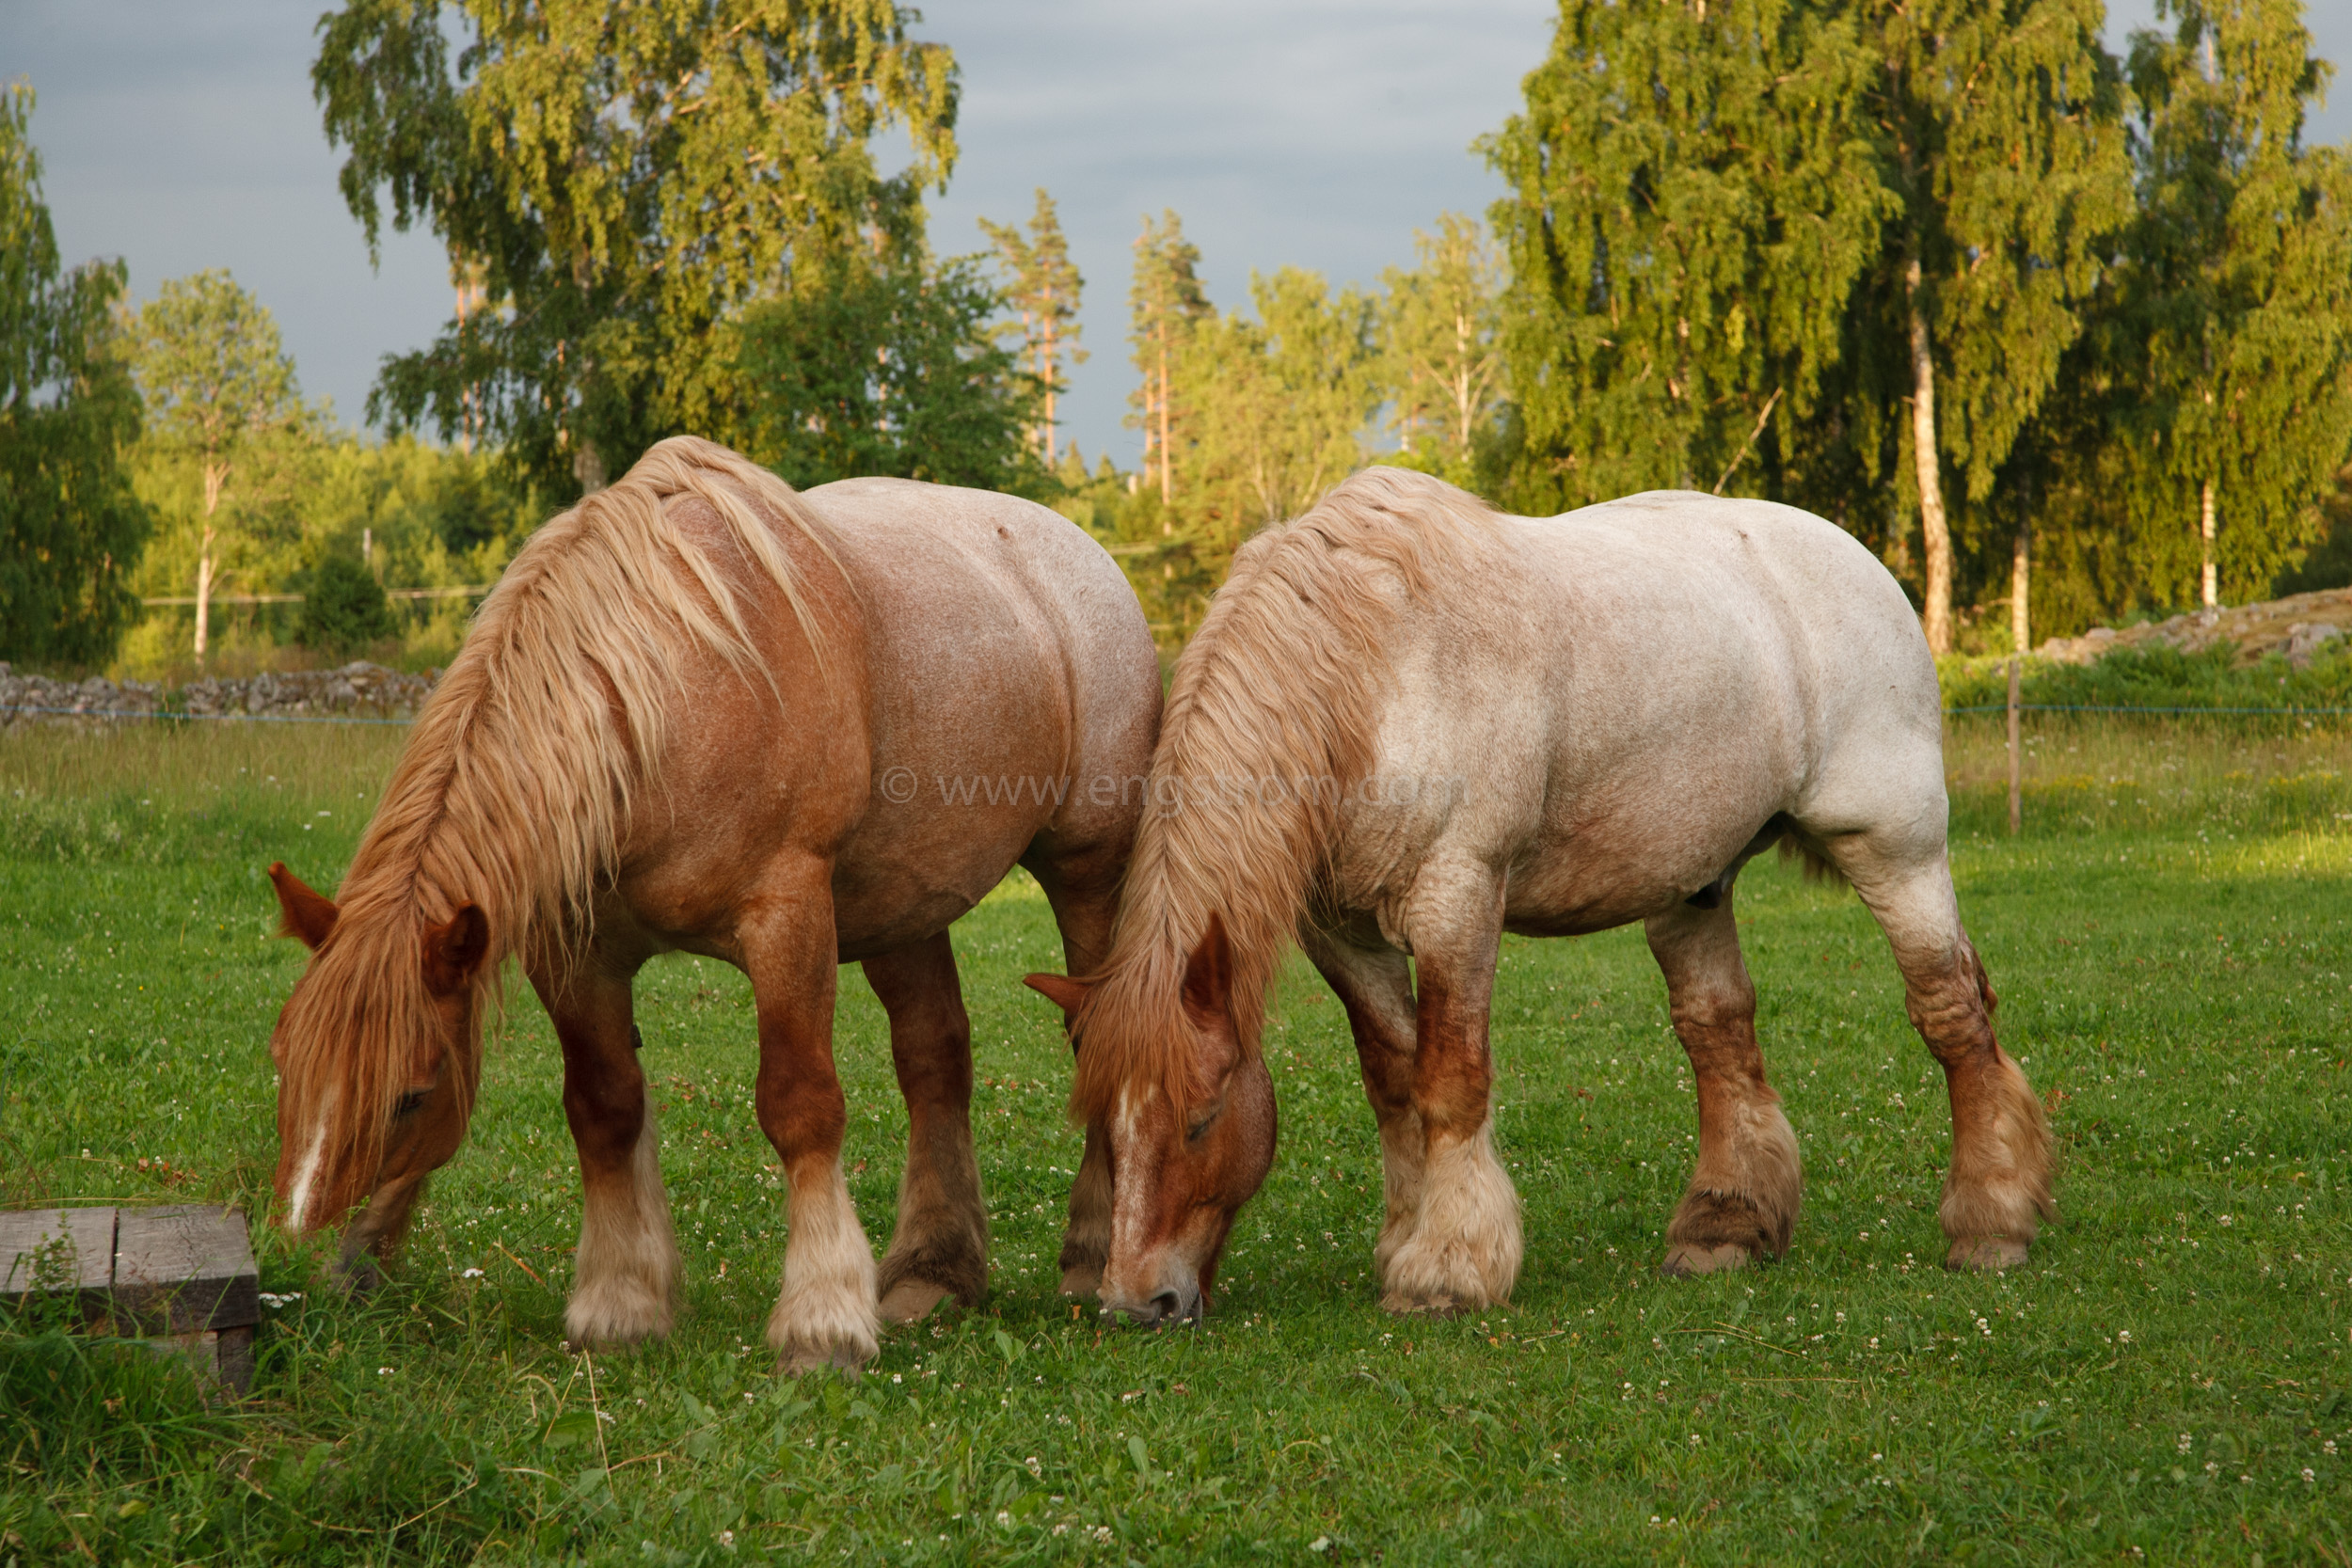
x: 1308, y: 133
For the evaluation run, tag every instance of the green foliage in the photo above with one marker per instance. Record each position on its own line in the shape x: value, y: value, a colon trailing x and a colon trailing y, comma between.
x: 625, y: 181
x: 344, y: 606
x: 1694, y: 194
x: 71, y: 529
x: 2177, y: 992
x: 437, y: 519
x: 2329, y: 562
x: 2161, y: 677
x: 889, y: 369
x: 1275, y: 408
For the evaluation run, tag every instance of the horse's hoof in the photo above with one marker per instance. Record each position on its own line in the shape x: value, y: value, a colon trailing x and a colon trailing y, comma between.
x: 803, y: 1359
x: 1399, y: 1305
x: 1986, y: 1254
x: 1080, y: 1280
x: 1685, y: 1259
x: 911, y: 1301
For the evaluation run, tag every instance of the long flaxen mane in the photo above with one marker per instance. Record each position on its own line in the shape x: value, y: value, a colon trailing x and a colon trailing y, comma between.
x: 1270, y: 721
x: 517, y: 783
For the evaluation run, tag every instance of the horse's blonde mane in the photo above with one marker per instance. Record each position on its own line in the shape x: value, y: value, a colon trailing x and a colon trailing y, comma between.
x: 1269, y: 721
x: 517, y: 783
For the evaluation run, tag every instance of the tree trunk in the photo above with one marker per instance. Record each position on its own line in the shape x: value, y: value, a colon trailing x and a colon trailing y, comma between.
x: 204, y: 594
x: 2209, y: 581
x: 215, y: 475
x: 2020, y: 590
x: 1053, y: 354
x: 1937, y: 615
x: 588, y: 468
x: 1167, y: 482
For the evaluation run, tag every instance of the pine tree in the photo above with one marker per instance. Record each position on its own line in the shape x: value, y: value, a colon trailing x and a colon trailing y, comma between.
x: 2237, y: 294
x: 2001, y: 127
x: 1165, y: 302
x: 1045, y: 291
x: 1693, y: 192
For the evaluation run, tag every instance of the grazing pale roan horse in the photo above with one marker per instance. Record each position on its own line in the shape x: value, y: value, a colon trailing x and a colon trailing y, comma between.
x: 1409, y: 724
x: 702, y: 713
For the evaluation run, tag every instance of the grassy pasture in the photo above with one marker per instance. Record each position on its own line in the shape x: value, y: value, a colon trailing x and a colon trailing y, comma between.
x: 2170, y: 1379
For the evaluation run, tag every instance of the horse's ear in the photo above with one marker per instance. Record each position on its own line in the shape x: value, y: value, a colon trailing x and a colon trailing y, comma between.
x: 1061, y: 991
x: 454, y: 951
x: 1209, y: 975
x: 301, y: 912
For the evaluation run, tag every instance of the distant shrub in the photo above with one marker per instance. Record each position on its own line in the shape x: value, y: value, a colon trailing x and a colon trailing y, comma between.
x: 2159, y: 677
x: 344, y: 606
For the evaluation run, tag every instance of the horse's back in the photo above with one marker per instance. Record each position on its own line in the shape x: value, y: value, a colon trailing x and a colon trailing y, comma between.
x: 1008, y: 665
x: 1663, y: 675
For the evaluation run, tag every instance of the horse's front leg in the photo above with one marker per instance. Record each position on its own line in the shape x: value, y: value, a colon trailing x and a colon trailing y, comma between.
x: 1742, y: 1202
x: 1083, y: 888
x: 825, y: 1315
x: 1376, y: 986
x: 939, y: 1247
x: 626, y: 1273
x: 1463, y: 1252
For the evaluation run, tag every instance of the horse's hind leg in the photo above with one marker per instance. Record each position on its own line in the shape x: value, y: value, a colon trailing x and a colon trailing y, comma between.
x: 1998, y: 1191
x: 1376, y: 986
x: 940, y: 1246
x: 625, y: 1274
x: 1742, y: 1199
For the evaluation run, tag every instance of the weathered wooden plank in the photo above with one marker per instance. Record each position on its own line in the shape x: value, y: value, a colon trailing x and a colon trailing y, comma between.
x: 183, y: 1268
x: 83, y: 1258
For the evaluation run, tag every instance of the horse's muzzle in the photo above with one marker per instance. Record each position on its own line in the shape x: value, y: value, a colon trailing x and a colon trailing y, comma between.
x: 1170, y: 1306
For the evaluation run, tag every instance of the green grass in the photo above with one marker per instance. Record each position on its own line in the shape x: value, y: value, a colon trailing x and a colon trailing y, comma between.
x: 2175, y: 964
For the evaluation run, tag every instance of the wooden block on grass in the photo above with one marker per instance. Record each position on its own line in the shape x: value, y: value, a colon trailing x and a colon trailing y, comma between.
x: 184, y: 1268
x: 181, y: 1274
x: 58, y: 1249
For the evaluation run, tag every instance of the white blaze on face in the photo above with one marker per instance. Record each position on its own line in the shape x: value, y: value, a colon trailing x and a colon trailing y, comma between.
x: 306, y: 1175
x: 1136, y: 1162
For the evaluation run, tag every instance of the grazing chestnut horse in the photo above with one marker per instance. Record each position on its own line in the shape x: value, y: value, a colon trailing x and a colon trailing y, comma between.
x: 1407, y: 725
x: 700, y: 713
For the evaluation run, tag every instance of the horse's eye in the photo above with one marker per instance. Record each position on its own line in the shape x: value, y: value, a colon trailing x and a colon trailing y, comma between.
x: 409, y: 1103
x: 1200, y: 1124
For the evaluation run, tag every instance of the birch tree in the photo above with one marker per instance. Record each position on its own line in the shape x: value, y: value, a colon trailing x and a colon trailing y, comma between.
x: 628, y: 180
x: 1440, y: 363
x: 2001, y: 127
x: 217, y: 382
x: 2238, y: 293
x: 1694, y: 192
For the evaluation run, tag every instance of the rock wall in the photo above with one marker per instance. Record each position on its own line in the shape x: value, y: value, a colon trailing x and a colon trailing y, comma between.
x: 358, y: 690
x: 2297, y: 627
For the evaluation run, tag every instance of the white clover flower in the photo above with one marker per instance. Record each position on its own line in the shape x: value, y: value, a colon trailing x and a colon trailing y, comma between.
x: 2185, y: 1442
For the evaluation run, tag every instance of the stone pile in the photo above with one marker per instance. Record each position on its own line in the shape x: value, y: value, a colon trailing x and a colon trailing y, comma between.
x: 2297, y: 627
x: 358, y: 690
